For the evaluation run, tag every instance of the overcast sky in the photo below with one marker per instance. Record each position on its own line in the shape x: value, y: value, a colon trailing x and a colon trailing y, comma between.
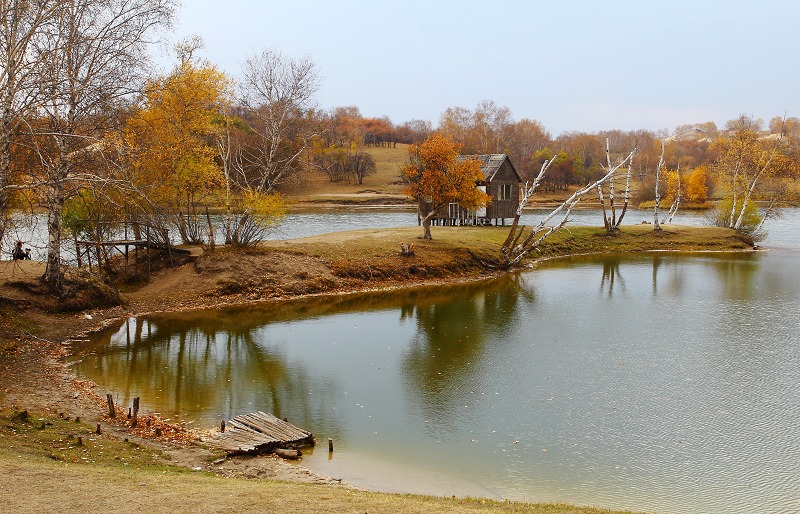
x: 570, y: 64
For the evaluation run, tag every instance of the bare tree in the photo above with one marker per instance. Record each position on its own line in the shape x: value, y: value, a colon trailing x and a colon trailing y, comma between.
x: 90, y: 60
x: 20, y: 24
x: 612, y: 223
x: 515, y: 247
x: 279, y: 93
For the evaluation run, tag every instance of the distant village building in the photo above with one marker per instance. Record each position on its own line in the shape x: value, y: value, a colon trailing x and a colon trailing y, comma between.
x: 501, y: 182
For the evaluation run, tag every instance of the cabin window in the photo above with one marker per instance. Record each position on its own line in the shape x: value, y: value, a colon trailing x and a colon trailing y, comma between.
x: 504, y: 192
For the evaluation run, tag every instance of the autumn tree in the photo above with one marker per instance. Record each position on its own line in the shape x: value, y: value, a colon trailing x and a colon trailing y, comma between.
x: 337, y: 148
x: 491, y: 128
x: 750, y: 167
x: 377, y: 131
x: 697, y: 185
x: 171, y: 138
x: 561, y: 169
x: 787, y: 126
x: 413, y: 131
x: 526, y: 137
x: 436, y: 177
x: 586, y: 149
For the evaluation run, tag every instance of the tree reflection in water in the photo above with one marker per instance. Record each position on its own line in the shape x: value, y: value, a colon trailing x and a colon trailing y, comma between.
x: 454, y: 331
x: 196, y: 365
x: 611, y: 274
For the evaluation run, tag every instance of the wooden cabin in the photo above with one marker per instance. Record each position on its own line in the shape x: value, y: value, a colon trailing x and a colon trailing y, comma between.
x: 501, y: 182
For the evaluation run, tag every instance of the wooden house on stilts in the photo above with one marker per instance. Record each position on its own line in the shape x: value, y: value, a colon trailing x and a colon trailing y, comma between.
x: 501, y: 182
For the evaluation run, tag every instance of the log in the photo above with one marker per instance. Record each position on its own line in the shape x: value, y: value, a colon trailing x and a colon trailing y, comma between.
x: 286, y: 453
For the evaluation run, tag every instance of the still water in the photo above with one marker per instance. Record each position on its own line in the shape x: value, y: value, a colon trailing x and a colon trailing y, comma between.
x: 655, y: 382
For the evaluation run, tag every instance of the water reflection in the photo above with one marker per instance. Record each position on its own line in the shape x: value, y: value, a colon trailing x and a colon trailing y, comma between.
x: 737, y: 274
x: 445, y: 355
x: 215, y: 364
x: 611, y: 274
x: 188, y: 366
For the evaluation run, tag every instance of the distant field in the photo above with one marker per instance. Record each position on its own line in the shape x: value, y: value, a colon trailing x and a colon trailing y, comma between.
x: 383, y: 187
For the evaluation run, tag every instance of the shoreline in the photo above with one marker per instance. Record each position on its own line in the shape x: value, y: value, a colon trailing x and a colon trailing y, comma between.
x: 40, y: 378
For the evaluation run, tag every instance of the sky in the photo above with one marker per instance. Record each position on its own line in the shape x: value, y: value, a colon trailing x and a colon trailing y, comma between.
x: 572, y: 65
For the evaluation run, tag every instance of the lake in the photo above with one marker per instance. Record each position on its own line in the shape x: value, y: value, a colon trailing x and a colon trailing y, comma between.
x: 660, y: 382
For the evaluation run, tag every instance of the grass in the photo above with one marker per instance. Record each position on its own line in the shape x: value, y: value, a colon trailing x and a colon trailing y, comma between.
x: 44, y: 466
x: 382, y: 187
x: 450, y: 244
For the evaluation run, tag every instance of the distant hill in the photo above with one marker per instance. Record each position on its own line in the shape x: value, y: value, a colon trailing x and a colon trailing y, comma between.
x: 384, y: 187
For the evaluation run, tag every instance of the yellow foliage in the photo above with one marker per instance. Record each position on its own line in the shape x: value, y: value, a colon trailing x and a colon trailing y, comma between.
x: 696, y: 185
x: 170, y: 136
x: 268, y: 208
x: 672, y: 178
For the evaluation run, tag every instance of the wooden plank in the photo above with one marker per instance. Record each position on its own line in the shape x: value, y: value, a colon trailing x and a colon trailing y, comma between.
x: 271, y: 425
x: 257, y: 432
x: 268, y: 426
x: 288, y: 427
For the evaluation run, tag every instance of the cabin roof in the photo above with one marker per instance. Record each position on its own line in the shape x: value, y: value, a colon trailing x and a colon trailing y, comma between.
x: 490, y: 163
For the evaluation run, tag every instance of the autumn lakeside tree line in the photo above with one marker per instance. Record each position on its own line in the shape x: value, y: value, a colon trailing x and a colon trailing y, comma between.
x: 90, y: 134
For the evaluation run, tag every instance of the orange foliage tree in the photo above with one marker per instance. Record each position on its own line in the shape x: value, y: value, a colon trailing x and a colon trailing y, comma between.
x: 436, y: 177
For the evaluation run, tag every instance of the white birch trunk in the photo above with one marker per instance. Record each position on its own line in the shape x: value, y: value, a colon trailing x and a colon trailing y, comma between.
x: 660, y: 165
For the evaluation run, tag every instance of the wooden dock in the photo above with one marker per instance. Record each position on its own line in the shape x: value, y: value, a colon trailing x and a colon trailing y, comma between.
x: 259, y: 432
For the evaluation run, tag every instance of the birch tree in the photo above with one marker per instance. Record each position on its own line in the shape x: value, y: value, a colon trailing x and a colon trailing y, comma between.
x: 746, y: 163
x: 612, y: 222
x: 516, y: 247
x: 657, y: 206
x: 20, y: 24
x: 90, y: 60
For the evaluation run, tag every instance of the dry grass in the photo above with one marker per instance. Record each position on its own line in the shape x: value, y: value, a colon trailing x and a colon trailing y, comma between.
x: 383, y: 187
x: 44, y: 466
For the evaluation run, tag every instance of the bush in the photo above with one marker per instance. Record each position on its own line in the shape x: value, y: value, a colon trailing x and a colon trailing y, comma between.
x: 751, y: 222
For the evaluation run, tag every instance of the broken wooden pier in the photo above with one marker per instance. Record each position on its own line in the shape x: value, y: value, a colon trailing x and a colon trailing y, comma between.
x: 259, y: 432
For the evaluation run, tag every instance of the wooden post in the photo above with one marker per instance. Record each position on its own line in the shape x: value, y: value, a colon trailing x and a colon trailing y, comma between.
x: 78, y: 252
x: 211, y: 242
x: 330, y: 445
x: 98, y: 429
x: 135, y: 412
x: 80, y: 441
x: 222, y: 426
x: 111, y: 412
